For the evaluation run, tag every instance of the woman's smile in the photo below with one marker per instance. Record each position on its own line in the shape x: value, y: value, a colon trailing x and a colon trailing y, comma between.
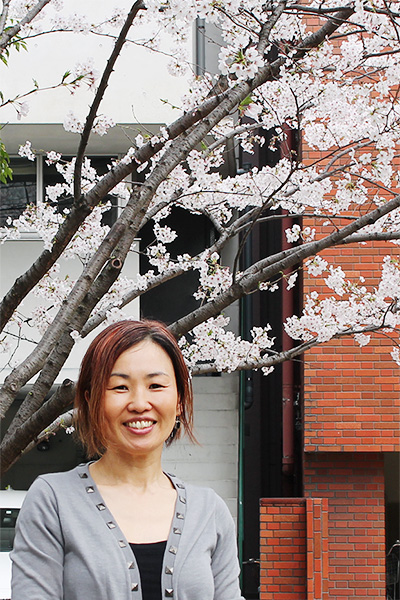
x: 141, y: 399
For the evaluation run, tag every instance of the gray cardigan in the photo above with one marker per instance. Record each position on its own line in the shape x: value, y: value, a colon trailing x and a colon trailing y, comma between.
x: 68, y: 547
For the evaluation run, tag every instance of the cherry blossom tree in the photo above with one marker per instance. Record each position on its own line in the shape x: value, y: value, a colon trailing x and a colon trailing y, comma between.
x: 328, y: 69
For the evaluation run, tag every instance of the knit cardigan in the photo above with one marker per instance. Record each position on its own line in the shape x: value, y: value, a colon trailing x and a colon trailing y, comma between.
x: 68, y: 546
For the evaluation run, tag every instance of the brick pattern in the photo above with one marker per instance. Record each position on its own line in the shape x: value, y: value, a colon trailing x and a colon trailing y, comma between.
x: 353, y: 485
x: 352, y: 399
x: 317, y: 548
x: 293, y: 549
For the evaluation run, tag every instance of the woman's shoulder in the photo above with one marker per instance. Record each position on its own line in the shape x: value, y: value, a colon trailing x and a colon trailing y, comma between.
x: 57, y: 481
x: 204, y: 500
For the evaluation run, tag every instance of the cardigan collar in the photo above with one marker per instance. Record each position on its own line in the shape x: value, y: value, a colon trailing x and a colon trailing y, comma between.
x: 90, y: 489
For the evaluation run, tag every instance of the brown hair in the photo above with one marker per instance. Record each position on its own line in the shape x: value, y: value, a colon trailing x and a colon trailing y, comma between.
x: 96, y: 369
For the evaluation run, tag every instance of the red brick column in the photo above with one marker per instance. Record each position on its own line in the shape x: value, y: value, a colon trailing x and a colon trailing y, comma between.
x: 317, y: 548
x: 293, y: 549
x: 353, y: 484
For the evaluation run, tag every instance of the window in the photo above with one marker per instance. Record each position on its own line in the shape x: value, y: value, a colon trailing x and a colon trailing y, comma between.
x: 8, y: 517
x: 29, y: 183
x: 18, y: 193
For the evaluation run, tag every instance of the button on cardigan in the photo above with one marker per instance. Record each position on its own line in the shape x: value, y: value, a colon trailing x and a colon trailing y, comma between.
x: 68, y: 547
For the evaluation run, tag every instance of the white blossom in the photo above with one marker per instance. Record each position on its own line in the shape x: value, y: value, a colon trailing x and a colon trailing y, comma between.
x: 52, y: 157
x: 26, y: 151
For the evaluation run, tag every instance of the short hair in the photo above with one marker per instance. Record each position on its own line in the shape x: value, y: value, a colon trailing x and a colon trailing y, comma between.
x: 96, y: 368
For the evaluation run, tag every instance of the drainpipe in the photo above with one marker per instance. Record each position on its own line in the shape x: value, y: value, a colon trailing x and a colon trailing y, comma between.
x: 245, y: 400
x: 200, y: 51
x: 288, y: 392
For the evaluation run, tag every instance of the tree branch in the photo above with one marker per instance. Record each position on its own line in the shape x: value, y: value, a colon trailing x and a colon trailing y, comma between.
x: 62, y: 422
x: 12, y: 31
x: 269, y: 25
x: 137, y: 6
x: 266, y: 268
x: 59, y: 401
x: 4, y: 15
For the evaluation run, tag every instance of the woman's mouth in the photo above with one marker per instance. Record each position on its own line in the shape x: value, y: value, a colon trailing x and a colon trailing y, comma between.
x: 139, y: 425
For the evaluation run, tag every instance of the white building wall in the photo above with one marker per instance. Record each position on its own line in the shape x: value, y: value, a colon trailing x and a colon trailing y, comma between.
x: 139, y: 83
x: 214, y: 462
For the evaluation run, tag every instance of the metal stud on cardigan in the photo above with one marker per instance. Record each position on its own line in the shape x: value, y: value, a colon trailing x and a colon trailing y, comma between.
x: 83, y: 475
x: 180, y: 516
x: 135, y: 587
x: 111, y: 525
x: 177, y: 530
x: 169, y: 593
x: 173, y: 549
x: 100, y: 506
x: 169, y: 570
x: 90, y: 489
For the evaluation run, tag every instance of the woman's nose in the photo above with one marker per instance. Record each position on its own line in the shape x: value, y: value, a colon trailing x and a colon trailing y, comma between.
x: 139, y: 402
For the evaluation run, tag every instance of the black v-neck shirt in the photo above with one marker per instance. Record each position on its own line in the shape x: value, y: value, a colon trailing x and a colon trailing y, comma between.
x: 149, y: 558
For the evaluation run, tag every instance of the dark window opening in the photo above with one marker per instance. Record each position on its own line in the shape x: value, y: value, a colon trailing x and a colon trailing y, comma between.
x: 15, y: 195
x: 174, y: 299
x: 100, y: 163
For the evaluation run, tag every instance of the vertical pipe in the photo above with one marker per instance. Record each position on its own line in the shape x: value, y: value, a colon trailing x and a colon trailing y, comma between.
x: 245, y: 398
x: 240, y: 527
x: 288, y: 305
x: 200, y: 40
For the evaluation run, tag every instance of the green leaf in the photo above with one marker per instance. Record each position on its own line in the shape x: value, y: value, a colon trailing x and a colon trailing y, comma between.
x: 5, y: 171
x: 246, y: 101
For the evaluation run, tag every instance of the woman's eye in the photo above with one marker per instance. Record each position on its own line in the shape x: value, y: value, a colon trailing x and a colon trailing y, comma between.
x: 120, y: 387
x: 155, y: 386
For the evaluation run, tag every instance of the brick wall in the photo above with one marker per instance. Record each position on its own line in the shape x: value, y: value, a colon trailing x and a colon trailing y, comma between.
x: 293, y: 549
x: 353, y: 484
x: 352, y: 399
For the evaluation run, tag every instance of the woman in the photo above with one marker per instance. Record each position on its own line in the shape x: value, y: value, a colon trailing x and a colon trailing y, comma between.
x: 119, y: 528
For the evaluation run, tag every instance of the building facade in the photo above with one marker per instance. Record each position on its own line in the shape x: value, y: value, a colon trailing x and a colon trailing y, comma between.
x: 315, y: 445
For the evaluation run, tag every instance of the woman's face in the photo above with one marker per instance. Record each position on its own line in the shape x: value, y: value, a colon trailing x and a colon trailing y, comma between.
x: 141, y: 400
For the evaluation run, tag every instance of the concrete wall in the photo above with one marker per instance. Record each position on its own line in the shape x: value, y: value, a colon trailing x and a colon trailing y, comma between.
x: 137, y: 86
x: 214, y: 462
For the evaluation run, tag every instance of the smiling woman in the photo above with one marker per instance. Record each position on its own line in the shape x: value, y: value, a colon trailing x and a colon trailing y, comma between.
x: 119, y: 527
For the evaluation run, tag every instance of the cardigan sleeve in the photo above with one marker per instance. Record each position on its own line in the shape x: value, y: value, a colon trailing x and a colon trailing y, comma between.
x: 225, y: 564
x: 38, y: 554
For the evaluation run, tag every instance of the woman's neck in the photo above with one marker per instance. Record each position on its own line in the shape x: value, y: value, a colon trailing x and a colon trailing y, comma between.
x: 141, y: 473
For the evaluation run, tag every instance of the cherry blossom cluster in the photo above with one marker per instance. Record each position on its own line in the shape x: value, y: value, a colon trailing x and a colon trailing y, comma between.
x: 211, y: 342
x: 354, y: 307
x: 342, y: 96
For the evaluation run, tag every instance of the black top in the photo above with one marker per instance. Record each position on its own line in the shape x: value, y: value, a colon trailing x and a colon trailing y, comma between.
x: 149, y: 558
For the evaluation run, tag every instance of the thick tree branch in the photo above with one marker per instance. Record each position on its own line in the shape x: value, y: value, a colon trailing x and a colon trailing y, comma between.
x: 137, y: 6
x: 12, y: 31
x: 267, y: 268
x: 56, y: 404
